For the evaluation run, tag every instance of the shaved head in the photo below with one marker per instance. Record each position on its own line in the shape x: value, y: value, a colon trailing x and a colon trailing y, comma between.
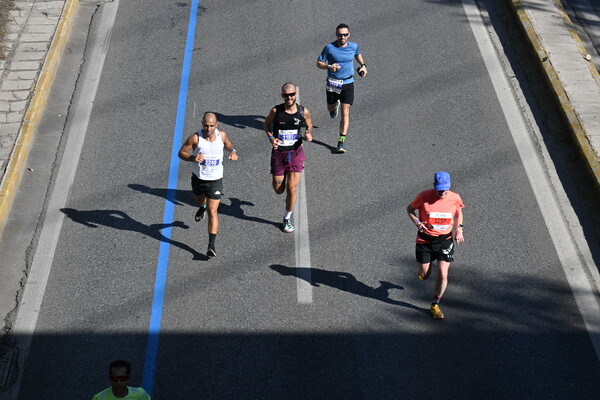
x: 209, y: 117
x: 288, y: 86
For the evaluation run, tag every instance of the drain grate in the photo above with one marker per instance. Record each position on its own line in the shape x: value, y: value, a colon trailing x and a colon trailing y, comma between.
x: 5, y: 364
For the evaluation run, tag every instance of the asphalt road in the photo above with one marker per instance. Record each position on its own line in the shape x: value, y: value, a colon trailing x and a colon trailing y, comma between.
x: 232, y: 326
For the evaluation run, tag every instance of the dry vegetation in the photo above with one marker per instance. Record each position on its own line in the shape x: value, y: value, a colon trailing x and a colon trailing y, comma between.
x: 5, y: 7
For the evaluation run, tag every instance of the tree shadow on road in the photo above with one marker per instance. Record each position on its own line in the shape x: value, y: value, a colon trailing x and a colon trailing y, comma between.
x: 117, y: 219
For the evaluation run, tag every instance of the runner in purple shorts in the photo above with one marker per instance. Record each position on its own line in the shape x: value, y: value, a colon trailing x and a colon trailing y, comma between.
x: 282, y: 126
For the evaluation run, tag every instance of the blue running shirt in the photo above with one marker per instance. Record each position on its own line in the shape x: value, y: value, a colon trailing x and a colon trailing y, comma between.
x: 344, y: 56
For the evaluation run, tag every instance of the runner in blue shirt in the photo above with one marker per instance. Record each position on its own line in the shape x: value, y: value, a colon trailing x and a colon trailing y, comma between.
x: 338, y: 59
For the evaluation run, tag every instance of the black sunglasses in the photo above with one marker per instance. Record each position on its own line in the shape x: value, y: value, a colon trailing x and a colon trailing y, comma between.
x: 288, y: 94
x: 342, y: 34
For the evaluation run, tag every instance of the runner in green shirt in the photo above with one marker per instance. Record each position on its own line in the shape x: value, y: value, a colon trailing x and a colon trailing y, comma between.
x: 119, y: 372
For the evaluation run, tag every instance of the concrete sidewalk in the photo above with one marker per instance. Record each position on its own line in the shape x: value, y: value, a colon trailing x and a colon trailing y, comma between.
x: 37, y: 31
x: 569, y: 69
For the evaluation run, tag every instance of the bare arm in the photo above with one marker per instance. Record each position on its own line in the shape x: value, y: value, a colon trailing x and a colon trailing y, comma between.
x: 229, y: 146
x: 267, y: 127
x: 413, y: 217
x: 184, y: 152
x: 458, y: 234
x: 363, y: 66
x: 309, y: 125
x: 323, y: 65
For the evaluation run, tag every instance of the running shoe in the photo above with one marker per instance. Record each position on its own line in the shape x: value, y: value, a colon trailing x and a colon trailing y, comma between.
x: 436, y: 312
x: 211, y: 252
x: 334, y: 113
x: 200, y: 213
x: 287, y: 226
x: 340, y: 147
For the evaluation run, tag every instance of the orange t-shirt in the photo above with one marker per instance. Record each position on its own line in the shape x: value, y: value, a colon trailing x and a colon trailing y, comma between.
x: 437, y: 214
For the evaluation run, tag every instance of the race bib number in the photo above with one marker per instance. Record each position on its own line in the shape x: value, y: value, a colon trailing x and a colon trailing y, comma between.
x: 334, y: 85
x: 440, y: 220
x: 287, y: 137
x: 209, y: 164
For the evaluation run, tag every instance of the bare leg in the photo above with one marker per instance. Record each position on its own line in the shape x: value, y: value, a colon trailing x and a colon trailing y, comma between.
x: 279, y: 183
x: 345, y: 120
x: 200, y: 200
x: 442, y: 278
x: 213, y: 219
x: 293, y: 180
x: 424, y: 271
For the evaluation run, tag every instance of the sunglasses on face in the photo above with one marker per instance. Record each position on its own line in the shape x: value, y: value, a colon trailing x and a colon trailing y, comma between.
x: 343, y: 34
x: 288, y: 94
x: 118, y: 378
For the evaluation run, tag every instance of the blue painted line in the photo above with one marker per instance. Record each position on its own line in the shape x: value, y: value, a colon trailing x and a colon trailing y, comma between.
x: 163, y: 252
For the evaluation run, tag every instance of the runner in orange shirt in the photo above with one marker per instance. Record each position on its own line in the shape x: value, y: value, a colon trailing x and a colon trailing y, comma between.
x: 439, y: 210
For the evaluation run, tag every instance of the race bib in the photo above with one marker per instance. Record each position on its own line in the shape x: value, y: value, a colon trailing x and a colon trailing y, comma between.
x: 209, y: 163
x: 334, y: 85
x: 287, y: 137
x: 440, y: 220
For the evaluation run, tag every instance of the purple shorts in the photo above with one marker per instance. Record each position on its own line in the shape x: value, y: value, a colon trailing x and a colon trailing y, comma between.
x: 287, y: 161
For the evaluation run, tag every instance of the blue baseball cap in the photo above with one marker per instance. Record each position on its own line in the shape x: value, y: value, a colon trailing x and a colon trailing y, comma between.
x: 441, y: 181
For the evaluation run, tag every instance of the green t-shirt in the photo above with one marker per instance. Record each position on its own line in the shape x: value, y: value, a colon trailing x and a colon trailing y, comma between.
x: 134, y: 394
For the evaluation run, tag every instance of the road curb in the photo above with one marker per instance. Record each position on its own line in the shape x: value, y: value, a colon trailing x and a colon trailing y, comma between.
x: 35, y: 111
x: 574, y: 122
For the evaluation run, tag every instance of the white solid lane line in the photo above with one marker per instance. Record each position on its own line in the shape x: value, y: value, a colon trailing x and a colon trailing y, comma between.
x: 37, y: 279
x: 302, y: 243
x: 570, y: 258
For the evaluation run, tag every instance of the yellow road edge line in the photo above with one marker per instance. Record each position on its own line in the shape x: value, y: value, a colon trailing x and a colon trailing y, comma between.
x: 574, y: 122
x: 34, y: 113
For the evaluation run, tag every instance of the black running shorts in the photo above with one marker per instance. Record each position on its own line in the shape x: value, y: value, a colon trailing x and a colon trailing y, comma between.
x: 346, y: 96
x: 211, y: 189
x: 428, y: 252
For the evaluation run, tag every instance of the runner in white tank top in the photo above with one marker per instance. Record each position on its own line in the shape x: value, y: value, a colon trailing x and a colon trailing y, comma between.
x: 211, y: 166
x: 204, y: 149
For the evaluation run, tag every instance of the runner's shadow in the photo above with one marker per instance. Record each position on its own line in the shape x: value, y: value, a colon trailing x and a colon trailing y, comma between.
x: 333, y: 149
x: 117, y: 219
x: 182, y: 197
x: 242, y: 121
x: 235, y: 209
x: 346, y: 282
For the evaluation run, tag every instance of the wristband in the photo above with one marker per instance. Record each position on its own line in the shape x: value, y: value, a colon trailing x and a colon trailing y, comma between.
x: 460, y: 226
x: 363, y: 65
x: 232, y: 150
x: 271, y: 138
x: 417, y: 222
x: 192, y: 158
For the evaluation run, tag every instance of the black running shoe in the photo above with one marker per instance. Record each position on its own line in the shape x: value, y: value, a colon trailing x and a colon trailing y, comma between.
x: 211, y: 252
x: 200, y: 214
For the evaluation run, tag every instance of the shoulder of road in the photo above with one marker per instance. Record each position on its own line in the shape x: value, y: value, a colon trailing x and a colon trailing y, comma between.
x: 569, y: 70
x: 37, y: 32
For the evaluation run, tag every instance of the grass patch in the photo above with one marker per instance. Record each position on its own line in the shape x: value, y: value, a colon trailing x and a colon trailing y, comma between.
x: 5, y: 7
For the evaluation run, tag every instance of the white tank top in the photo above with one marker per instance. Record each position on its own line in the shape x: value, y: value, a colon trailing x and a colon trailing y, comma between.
x: 211, y: 168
